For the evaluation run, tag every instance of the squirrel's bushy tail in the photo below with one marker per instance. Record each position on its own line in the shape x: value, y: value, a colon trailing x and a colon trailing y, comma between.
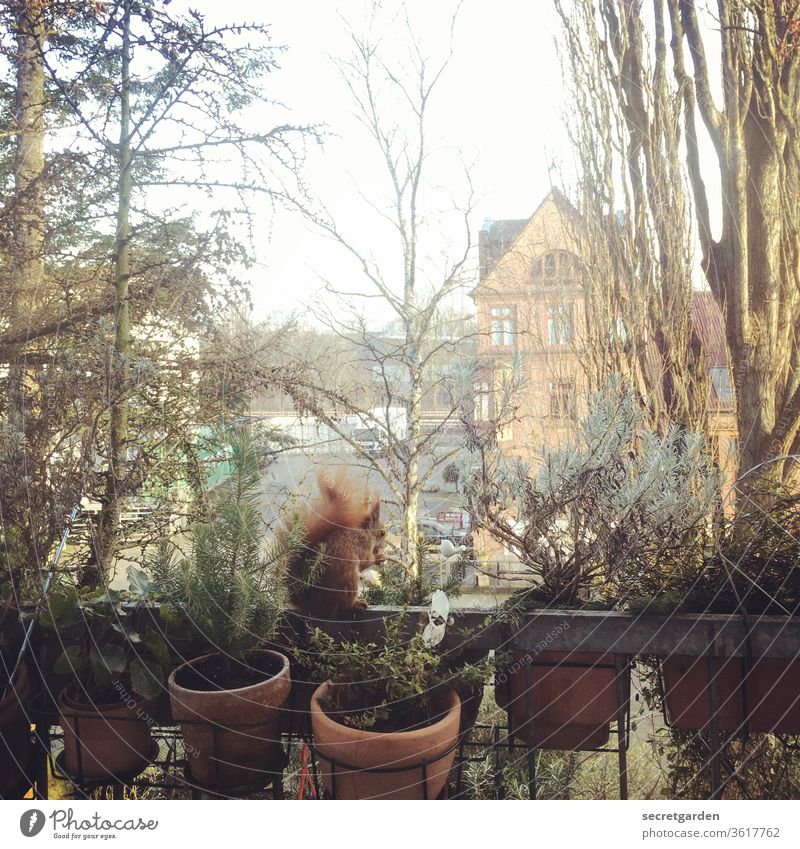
x: 341, y: 503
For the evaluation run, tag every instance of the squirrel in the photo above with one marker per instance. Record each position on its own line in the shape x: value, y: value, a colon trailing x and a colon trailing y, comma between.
x: 342, y: 537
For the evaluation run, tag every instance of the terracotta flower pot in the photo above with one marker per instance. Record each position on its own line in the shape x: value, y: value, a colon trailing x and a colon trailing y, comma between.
x: 771, y: 692
x: 573, y: 695
x: 232, y: 737
x: 15, y: 734
x: 361, y: 755
x: 105, y: 741
x: 471, y: 699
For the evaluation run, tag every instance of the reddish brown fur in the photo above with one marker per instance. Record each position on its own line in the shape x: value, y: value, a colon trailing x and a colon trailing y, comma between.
x: 346, y: 521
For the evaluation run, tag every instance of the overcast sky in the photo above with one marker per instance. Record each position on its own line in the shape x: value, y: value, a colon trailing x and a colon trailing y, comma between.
x: 499, y: 106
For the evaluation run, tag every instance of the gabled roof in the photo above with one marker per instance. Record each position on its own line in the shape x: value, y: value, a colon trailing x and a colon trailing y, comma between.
x: 506, y: 243
x: 495, y: 238
x: 708, y: 321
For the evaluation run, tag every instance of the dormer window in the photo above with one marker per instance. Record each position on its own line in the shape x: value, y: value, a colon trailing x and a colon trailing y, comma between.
x: 721, y: 381
x: 556, y: 265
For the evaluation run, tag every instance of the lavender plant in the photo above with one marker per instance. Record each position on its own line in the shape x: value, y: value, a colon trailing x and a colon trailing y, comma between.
x: 597, y: 511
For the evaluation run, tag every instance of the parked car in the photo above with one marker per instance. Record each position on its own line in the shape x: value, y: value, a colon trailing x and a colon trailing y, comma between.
x: 432, y: 531
x: 367, y: 441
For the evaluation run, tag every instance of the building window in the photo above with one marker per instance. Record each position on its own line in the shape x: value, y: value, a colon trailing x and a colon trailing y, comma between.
x: 559, y: 325
x: 721, y: 381
x: 503, y: 326
x: 556, y: 265
x: 562, y: 399
x: 619, y: 333
x: 482, y: 401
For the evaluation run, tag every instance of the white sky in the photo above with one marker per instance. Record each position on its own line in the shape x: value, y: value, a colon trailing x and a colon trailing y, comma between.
x: 499, y: 104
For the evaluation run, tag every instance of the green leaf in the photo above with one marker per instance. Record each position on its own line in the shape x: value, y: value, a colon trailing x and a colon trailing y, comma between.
x: 105, y: 596
x: 147, y: 678
x: 139, y: 583
x: 114, y: 658
x: 63, y: 609
x: 158, y: 647
x: 170, y: 615
x: 69, y: 662
x: 122, y: 626
x: 99, y: 670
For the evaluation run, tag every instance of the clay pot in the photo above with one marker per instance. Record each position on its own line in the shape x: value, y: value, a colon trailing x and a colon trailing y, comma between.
x: 104, y: 741
x: 232, y: 737
x: 471, y: 699
x: 574, y: 699
x: 15, y: 736
x: 771, y: 690
x: 367, y: 752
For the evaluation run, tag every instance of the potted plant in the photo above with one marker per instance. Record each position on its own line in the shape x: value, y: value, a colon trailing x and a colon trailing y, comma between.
x: 593, y: 512
x: 391, y: 584
x: 229, y: 590
x: 115, y: 672
x: 750, y: 567
x: 441, y: 571
x: 386, y: 721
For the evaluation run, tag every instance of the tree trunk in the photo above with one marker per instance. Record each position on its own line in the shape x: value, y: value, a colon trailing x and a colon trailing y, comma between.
x: 753, y: 268
x: 410, y: 548
x: 27, y: 265
x: 119, y: 377
x: 764, y: 356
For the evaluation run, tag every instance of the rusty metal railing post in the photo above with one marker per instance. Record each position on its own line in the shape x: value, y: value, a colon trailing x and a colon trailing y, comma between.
x: 531, y: 744
x: 713, y: 724
x: 623, y: 692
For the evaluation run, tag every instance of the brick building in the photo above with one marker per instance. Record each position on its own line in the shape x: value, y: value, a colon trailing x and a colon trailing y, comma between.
x: 530, y: 307
x: 531, y: 315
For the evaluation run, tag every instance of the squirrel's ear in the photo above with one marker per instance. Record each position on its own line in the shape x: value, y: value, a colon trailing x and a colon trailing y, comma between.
x: 373, y: 511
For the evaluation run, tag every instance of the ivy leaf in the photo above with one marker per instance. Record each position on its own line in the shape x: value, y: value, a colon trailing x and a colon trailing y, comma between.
x: 139, y: 583
x: 114, y: 658
x: 105, y: 596
x: 63, y: 609
x: 69, y: 662
x: 158, y: 647
x: 147, y: 678
x: 122, y: 626
x: 100, y: 673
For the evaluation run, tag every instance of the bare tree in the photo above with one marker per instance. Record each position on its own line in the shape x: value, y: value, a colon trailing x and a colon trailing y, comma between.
x: 644, y: 77
x: 632, y: 225
x: 393, y: 92
x: 40, y: 441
